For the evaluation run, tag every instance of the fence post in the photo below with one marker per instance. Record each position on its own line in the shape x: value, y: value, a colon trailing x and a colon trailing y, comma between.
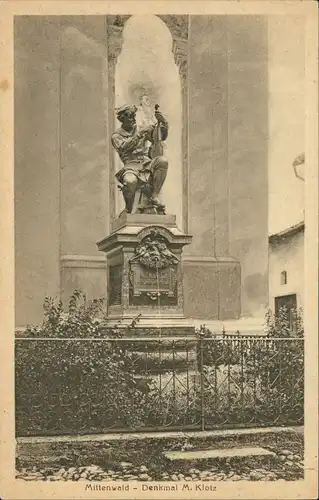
x: 201, y: 351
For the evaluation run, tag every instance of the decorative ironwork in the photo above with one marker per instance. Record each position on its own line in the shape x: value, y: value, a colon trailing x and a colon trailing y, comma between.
x: 153, y: 252
x: 101, y: 385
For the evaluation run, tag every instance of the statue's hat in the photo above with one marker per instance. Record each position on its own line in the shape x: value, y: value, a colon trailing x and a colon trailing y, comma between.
x: 124, y: 108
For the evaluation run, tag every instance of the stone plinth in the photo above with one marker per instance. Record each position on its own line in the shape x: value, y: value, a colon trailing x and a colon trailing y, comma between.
x: 143, y: 255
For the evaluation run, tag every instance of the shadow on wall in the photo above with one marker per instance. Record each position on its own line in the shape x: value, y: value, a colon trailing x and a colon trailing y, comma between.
x: 83, y: 141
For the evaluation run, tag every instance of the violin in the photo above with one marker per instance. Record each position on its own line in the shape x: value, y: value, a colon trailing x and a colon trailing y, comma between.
x: 157, y: 148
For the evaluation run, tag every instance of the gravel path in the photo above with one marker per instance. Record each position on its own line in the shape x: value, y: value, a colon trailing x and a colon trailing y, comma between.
x: 286, y: 465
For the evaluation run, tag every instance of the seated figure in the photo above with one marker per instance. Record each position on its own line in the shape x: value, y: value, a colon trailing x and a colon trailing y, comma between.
x: 144, y: 167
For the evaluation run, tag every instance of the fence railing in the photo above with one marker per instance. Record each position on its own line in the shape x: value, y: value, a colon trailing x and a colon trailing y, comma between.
x: 106, y: 385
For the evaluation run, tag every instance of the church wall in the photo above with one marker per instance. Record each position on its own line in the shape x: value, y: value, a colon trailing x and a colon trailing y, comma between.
x: 211, y: 288
x: 84, y: 152
x: 37, y: 165
x: 208, y: 136
x: 248, y: 155
x: 228, y: 146
x: 83, y: 134
x: 61, y: 164
x: 61, y: 183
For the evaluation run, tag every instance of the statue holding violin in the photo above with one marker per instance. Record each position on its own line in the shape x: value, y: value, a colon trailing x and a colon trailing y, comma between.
x: 144, y: 170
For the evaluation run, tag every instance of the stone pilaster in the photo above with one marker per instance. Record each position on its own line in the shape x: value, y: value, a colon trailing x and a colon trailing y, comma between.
x: 180, y: 51
x: 115, y: 41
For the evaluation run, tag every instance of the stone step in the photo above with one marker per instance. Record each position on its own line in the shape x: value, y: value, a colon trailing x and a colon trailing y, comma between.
x: 167, y: 383
x: 160, y: 345
x: 166, y: 361
x: 169, y: 328
x: 165, y: 356
x: 217, y: 454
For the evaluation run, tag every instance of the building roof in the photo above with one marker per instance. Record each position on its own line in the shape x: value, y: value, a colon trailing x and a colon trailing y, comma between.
x: 286, y: 233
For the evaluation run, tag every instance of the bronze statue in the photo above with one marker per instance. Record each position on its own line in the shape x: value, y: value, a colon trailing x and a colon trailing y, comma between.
x: 144, y: 166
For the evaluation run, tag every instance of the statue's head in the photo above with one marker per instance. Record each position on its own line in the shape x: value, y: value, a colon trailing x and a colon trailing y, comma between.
x: 127, y: 115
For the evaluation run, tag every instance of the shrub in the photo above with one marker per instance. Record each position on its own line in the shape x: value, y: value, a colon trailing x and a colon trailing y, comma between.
x: 75, y: 374
x: 280, y: 325
x: 256, y: 378
x: 67, y: 381
x: 82, y: 318
x: 283, y: 374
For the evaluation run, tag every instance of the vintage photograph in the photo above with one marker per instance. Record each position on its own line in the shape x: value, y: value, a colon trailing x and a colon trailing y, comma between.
x: 159, y: 217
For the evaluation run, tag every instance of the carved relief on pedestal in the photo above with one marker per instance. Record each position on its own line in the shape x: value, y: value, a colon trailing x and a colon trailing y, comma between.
x: 144, y: 261
x: 153, y: 252
x: 153, y: 269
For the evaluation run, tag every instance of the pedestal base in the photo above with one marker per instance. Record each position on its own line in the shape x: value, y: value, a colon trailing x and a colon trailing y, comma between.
x: 153, y: 327
x: 126, y: 220
x: 144, y: 271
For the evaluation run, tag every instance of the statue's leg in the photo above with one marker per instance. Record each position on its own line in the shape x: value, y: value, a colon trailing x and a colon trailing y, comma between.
x: 159, y: 166
x: 130, y: 183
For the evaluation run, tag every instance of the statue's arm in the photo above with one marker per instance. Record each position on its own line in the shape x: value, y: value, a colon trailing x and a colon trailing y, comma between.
x: 121, y: 144
x: 163, y: 124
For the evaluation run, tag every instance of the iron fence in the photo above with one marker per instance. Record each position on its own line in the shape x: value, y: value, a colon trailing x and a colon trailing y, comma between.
x: 105, y: 385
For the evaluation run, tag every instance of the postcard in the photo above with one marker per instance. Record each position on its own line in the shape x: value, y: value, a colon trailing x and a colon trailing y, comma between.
x: 159, y: 256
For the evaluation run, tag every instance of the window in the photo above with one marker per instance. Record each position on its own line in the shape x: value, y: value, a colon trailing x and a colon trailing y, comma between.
x: 283, y: 278
x: 287, y: 303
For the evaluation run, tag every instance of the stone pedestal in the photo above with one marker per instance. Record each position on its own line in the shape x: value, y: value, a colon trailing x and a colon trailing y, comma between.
x: 143, y: 255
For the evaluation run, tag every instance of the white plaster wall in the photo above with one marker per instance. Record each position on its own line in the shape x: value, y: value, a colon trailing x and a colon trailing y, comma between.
x: 286, y: 73
x: 289, y: 257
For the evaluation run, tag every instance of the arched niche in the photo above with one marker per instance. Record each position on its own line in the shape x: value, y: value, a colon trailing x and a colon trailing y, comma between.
x: 149, y: 54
